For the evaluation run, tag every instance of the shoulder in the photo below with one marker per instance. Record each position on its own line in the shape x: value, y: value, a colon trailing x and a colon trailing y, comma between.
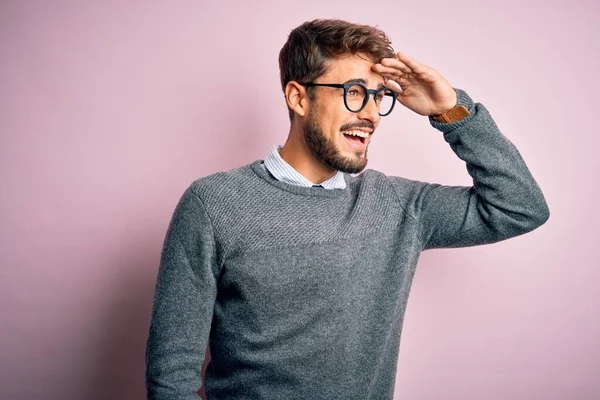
x: 406, y: 192
x: 374, y: 176
x: 223, y: 184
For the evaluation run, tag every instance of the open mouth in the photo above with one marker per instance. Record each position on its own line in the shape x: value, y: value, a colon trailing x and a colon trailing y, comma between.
x: 356, y: 138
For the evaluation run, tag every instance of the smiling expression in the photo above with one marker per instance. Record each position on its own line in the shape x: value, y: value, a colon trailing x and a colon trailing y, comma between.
x: 328, y: 118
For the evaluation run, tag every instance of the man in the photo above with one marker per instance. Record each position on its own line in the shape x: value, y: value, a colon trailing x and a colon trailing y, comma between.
x: 300, y: 291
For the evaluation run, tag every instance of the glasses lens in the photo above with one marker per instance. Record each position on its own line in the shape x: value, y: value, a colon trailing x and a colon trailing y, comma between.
x: 355, y: 97
x: 385, y: 101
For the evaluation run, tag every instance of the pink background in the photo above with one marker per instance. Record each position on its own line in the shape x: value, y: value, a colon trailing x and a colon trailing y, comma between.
x: 109, y: 109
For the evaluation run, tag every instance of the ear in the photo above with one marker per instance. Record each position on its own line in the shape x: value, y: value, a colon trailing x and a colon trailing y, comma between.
x: 297, y: 98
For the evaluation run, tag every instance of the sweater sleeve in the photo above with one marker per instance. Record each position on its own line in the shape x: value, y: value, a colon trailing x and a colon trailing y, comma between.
x: 504, y: 200
x: 184, y: 299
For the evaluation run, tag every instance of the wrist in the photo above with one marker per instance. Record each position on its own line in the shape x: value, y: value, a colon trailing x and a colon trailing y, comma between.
x: 444, y: 110
x: 452, y: 115
x: 462, y: 99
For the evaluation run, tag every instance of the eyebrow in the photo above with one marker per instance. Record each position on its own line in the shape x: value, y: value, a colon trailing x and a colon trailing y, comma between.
x: 364, y: 82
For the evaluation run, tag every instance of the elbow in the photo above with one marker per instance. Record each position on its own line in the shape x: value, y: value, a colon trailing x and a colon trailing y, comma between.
x: 524, y: 219
x: 544, y: 213
x: 537, y: 214
x: 540, y: 215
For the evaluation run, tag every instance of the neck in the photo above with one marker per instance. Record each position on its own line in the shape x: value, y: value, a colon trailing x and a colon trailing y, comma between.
x: 297, y: 154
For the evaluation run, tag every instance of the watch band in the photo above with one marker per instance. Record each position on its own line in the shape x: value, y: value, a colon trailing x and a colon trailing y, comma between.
x: 454, y: 114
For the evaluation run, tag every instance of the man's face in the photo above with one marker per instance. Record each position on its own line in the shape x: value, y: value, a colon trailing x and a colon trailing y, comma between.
x: 328, y: 118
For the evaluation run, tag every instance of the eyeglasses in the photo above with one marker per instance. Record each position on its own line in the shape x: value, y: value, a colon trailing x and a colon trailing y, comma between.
x: 356, y: 96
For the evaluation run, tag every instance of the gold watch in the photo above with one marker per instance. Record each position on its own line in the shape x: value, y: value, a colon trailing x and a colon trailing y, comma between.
x: 452, y: 115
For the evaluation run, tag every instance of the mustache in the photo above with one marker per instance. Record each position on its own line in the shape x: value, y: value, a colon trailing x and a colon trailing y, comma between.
x: 360, y: 125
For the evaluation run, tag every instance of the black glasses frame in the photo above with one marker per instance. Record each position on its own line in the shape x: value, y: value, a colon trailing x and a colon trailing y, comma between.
x: 374, y: 92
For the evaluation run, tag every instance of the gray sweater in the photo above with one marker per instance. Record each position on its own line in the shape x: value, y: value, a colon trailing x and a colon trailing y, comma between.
x: 300, y: 292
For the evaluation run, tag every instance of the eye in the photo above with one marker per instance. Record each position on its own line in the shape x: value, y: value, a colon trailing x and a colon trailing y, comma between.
x: 353, y: 92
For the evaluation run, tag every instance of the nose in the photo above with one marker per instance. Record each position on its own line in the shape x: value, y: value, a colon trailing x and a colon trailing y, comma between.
x: 371, y: 111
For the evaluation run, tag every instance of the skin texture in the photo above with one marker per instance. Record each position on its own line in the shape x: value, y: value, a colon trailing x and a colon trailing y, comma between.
x: 424, y: 89
x: 316, y: 146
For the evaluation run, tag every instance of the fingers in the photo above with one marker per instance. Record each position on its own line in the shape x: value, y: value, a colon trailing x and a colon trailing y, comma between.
x: 391, y: 67
x: 394, y: 85
x: 412, y: 64
x: 396, y: 64
x: 399, y: 66
x: 395, y: 77
x: 389, y: 71
x: 395, y: 72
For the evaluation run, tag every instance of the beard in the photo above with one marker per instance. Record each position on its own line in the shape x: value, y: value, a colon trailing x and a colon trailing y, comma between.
x: 324, y: 149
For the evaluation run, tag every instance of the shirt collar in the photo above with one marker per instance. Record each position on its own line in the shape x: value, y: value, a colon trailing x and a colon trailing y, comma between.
x: 284, y: 172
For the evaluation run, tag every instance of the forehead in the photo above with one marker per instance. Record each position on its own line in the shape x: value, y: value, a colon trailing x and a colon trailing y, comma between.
x: 352, y: 67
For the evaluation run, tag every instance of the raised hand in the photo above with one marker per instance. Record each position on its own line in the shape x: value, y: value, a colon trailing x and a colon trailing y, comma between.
x: 424, y: 90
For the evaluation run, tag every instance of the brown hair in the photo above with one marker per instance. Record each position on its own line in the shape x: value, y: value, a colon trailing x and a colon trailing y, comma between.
x: 309, y: 48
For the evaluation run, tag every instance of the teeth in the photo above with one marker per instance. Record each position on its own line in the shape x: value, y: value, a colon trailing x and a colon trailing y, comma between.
x: 356, y: 133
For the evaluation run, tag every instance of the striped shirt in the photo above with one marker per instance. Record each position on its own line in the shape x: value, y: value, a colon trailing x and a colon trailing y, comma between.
x: 284, y: 172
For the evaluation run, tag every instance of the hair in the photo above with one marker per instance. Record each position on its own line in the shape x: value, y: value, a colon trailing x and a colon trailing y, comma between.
x: 311, y: 46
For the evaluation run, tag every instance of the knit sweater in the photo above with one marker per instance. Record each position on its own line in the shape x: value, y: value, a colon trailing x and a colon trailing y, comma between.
x: 300, y: 292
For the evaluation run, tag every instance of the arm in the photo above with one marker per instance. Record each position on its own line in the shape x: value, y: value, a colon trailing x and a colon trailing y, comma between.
x: 183, y: 304
x: 504, y: 201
